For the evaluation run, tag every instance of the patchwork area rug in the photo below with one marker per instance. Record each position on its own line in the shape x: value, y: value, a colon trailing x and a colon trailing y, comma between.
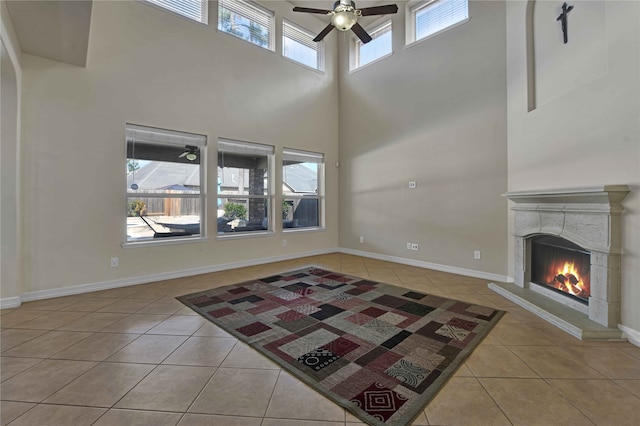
x: 378, y: 350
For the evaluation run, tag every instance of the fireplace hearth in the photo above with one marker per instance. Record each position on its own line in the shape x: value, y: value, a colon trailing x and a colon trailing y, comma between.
x: 567, y: 258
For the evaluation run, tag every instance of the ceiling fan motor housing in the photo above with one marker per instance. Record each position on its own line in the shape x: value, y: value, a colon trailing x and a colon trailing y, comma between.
x: 344, y: 15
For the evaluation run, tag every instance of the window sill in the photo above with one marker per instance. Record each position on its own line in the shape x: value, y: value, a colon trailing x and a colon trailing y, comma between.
x: 164, y: 242
x: 240, y: 235
x: 351, y: 71
x: 309, y: 229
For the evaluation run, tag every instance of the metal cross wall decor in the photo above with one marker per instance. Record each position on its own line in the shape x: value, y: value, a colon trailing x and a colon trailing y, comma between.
x: 563, y: 20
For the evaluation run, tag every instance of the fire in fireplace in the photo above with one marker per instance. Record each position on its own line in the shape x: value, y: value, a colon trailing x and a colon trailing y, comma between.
x: 561, y: 265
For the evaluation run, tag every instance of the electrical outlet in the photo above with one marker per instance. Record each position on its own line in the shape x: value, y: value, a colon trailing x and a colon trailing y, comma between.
x: 284, y: 243
x: 414, y: 247
x: 476, y: 255
x: 361, y: 240
x: 412, y: 184
x: 408, y: 246
x: 114, y: 262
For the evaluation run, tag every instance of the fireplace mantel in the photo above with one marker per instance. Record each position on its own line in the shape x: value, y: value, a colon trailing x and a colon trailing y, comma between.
x: 599, y: 195
x: 589, y: 217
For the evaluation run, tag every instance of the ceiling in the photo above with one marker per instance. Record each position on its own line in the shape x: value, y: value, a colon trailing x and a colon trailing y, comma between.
x: 57, y: 30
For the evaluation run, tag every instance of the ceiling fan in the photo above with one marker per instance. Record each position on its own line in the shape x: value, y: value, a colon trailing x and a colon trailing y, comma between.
x: 344, y: 17
x: 191, y: 153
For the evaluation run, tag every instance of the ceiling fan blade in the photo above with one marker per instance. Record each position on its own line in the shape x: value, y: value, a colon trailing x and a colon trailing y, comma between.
x: 183, y: 154
x: 379, y: 10
x: 323, y: 33
x: 310, y: 10
x: 361, y: 33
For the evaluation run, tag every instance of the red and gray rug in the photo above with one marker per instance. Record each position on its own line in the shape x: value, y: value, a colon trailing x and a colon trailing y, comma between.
x: 378, y: 350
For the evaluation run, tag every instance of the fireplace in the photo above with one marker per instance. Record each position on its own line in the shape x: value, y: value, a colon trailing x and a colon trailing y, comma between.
x: 567, y: 258
x: 560, y: 265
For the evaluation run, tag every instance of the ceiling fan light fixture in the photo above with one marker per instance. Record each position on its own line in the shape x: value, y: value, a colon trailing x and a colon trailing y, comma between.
x: 344, y: 20
x: 192, y: 156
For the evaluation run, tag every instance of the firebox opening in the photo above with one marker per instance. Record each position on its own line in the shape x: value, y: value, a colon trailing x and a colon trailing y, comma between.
x: 562, y: 266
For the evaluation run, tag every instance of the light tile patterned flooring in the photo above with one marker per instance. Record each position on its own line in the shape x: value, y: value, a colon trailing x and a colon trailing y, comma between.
x: 136, y: 356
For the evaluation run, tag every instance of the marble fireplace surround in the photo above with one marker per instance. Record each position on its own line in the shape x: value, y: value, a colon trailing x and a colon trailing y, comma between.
x: 589, y: 217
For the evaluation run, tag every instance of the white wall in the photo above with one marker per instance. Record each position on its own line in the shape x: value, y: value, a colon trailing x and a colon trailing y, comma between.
x: 589, y: 135
x: 10, y: 209
x: 149, y: 67
x: 434, y: 113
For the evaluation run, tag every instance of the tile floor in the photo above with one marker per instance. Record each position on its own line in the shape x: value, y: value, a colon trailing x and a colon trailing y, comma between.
x: 136, y: 356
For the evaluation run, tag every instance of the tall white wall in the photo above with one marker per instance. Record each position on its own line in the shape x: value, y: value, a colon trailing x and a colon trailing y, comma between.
x: 589, y: 133
x: 434, y: 113
x: 149, y: 67
x: 10, y: 209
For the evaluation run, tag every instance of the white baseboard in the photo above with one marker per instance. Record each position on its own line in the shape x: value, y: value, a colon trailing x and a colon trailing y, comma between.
x: 13, y: 302
x: 108, y: 285
x: 10, y: 302
x: 428, y: 265
x: 633, y: 336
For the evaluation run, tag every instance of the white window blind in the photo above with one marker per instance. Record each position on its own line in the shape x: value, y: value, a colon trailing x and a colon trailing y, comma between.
x: 431, y: 17
x: 153, y: 135
x: 298, y: 45
x: 302, y: 156
x: 192, y: 9
x: 248, y: 21
x: 378, y: 47
x: 238, y: 147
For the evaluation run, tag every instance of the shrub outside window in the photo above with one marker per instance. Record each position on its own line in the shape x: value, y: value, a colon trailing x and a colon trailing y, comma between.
x: 248, y: 21
x: 165, y: 197
x: 245, y: 196
x: 431, y: 17
x: 192, y: 9
x: 298, y: 45
x: 379, y: 47
x: 302, y: 189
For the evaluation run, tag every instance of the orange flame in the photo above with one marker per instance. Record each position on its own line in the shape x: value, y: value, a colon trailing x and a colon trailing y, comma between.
x: 564, y: 275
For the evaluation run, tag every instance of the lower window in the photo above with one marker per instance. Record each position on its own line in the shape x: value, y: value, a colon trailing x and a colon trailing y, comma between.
x: 164, y: 192
x: 244, y: 189
x: 302, y: 189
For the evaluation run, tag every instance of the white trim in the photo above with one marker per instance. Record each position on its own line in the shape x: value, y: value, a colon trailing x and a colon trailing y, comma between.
x: 107, y: 285
x: 10, y: 302
x: 427, y: 265
x: 163, y: 241
x: 633, y: 336
x: 180, y: 15
x: 375, y: 61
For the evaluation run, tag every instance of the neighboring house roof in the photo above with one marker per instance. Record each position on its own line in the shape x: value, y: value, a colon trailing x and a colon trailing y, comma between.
x: 181, y: 176
x: 164, y: 175
x: 300, y: 178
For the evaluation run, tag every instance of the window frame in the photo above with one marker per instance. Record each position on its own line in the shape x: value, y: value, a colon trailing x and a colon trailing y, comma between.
x: 373, y: 30
x: 320, y: 192
x: 257, y: 9
x: 160, y: 4
x: 245, y: 147
x: 169, y: 138
x: 319, y: 46
x: 411, y: 10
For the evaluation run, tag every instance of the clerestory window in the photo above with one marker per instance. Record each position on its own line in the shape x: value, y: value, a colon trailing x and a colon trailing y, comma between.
x: 427, y: 18
x: 298, y: 45
x: 247, y: 20
x: 192, y: 9
x: 379, y: 47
